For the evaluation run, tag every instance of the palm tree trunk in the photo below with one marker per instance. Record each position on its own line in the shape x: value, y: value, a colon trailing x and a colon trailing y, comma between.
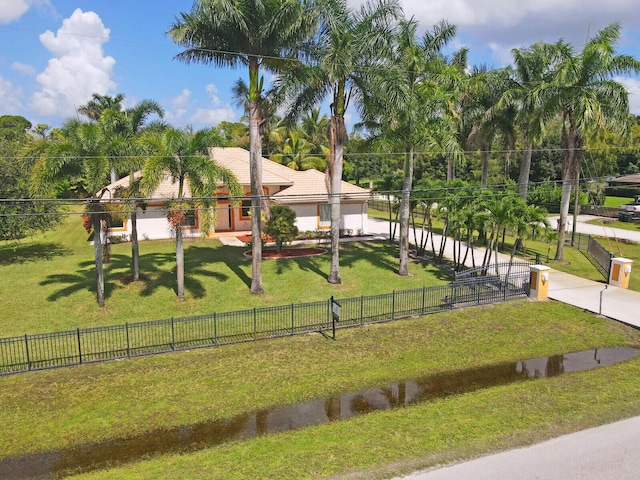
x: 97, y: 254
x: 567, y: 184
x: 135, y: 252
x: 255, y: 169
x: 337, y: 137
x: 404, y: 214
x: 525, y: 168
x: 451, y: 169
x: 180, y: 262
x: 390, y: 220
x: 485, y: 154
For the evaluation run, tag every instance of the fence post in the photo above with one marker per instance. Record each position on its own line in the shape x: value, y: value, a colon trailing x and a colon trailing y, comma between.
x: 361, y: 310
x: 173, y: 336
x: 255, y: 324
x: 26, y: 346
x: 79, y: 346
x: 293, y: 319
x: 215, y: 329
x: 126, y: 326
x: 424, y: 292
x: 393, y: 304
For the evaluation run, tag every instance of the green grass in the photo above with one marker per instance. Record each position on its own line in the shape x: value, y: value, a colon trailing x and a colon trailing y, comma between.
x: 615, y: 202
x: 48, y: 282
x: 384, y: 444
x: 612, y: 223
x: 575, y: 261
x: 53, y: 409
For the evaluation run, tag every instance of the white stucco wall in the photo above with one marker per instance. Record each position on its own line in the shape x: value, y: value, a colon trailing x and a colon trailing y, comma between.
x: 153, y: 224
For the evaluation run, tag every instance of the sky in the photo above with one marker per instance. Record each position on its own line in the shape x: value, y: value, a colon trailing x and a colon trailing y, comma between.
x: 54, y: 54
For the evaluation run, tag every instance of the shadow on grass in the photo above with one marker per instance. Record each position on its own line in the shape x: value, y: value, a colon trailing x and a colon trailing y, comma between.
x: 208, y: 261
x: 118, y: 273
x: 15, y: 253
x: 231, y: 257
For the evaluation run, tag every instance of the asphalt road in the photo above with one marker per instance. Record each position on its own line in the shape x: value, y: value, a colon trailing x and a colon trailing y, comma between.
x: 608, y: 452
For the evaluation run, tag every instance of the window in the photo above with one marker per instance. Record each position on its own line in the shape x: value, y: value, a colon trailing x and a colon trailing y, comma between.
x: 245, y: 211
x: 190, y: 218
x: 116, y: 222
x: 325, y: 215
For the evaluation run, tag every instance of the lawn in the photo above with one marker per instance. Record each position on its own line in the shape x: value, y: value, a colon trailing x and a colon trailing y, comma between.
x: 611, y: 223
x: 615, y: 202
x: 51, y: 280
x: 54, y: 409
x: 47, y: 283
x: 575, y: 261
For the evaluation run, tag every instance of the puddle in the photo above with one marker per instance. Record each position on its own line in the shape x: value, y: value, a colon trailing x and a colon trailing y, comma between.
x: 314, y: 412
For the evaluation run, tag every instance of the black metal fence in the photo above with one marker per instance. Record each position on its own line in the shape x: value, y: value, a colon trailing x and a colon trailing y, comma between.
x: 601, y: 255
x: 85, y: 345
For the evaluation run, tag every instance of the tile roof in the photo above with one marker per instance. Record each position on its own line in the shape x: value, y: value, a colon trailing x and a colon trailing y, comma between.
x: 298, y: 186
x: 633, y: 178
x: 237, y: 160
x: 311, y: 186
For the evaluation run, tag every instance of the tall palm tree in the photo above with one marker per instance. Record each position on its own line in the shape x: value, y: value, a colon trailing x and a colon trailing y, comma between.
x: 406, y: 109
x: 81, y: 149
x: 485, y: 87
x: 533, y: 67
x: 348, y: 43
x: 184, y: 157
x: 253, y: 33
x: 587, y: 97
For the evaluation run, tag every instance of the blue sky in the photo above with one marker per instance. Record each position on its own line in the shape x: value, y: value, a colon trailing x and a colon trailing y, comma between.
x: 55, y: 53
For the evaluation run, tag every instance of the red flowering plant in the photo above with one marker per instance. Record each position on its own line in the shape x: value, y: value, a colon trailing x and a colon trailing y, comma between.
x: 87, y: 222
x: 176, y: 214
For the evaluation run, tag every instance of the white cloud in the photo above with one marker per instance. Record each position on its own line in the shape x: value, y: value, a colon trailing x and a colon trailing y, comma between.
x: 78, y: 68
x: 212, y: 90
x: 12, y: 10
x: 183, y: 105
x: 24, y: 69
x: 179, y: 106
x: 214, y: 116
x: 496, y: 26
x: 633, y: 87
x: 10, y: 97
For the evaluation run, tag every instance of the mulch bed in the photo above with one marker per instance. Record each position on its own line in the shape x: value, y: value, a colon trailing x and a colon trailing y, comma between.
x: 290, y: 253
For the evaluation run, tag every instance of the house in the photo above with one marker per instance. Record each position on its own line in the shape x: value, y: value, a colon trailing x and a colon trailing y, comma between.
x: 304, y: 191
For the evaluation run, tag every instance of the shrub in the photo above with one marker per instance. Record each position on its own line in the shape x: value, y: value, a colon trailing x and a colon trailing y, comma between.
x: 281, y: 225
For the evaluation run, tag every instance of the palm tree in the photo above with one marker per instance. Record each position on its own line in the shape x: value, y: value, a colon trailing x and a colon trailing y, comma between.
x: 297, y: 153
x: 121, y: 124
x: 348, y: 43
x: 533, y: 67
x: 314, y: 129
x: 82, y: 149
x: 483, y: 123
x: 99, y: 103
x: 584, y: 92
x: 405, y: 108
x: 267, y: 107
x: 184, y: 157
x: 257, y: 34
